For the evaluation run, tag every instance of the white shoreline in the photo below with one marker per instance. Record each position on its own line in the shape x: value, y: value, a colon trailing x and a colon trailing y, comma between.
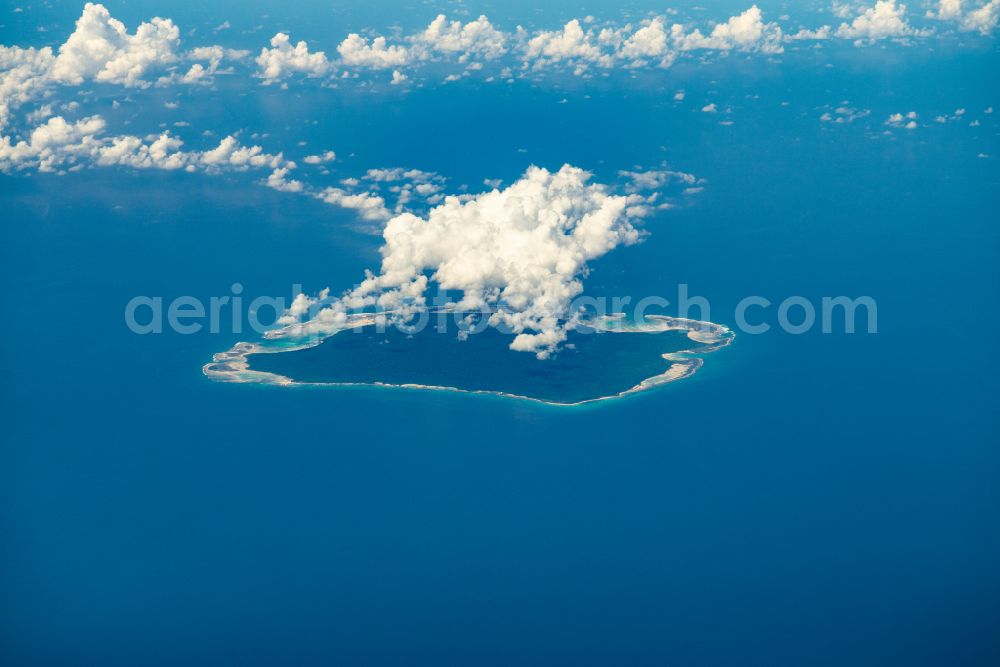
x: 232, y: 365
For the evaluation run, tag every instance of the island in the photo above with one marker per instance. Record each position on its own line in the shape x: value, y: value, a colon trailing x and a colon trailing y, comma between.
x: 603, y: 359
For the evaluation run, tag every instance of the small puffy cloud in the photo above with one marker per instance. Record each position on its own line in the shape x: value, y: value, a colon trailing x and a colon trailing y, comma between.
x: 397, y: 78
x: 101, y: 49
x: 744, y: 32
x: 844, y: 114
x: 650, y: 42
x: 301, y: 306
x: 328, y: 156
x: 407, y: 186
x: 983, y: 19
x: 198, y: 73
x: 819, y: 34
x: 283, y: 59
x: 356, y: 51
x: 203, y: 72
x: 279, y: 181
x: 427, y: 189
x: 841, y: 10
x: 569, y: 44
x: 947, y: 10
x: 369, y: 206
x: 441, y: 39
x: 389, y: 175
x: 655, y: 179
x: 39, y: 114
x: 59, y: 144
x: 52, y: 144
x: 709, y: 108
x: 163, y: 152
x: 906, y: 121
x: 24, y: 74
x: 230, y: 153
x: 885, y: 19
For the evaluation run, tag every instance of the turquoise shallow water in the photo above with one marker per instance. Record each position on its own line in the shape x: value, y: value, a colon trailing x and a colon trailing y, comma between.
x: 812, y: 499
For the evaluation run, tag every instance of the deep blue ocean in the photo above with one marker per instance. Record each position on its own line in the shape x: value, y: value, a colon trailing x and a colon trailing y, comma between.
x: 803, y: 500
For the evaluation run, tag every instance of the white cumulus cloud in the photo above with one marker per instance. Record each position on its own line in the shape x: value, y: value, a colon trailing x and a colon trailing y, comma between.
x: 983, y: 19
x: 326, y: 156
x: 745, y: 32
x: 946, y: 10
x: 477, y: 38
x: 283, y: 59
x: 885, y: 19
x: 906, y: 120
x: 369, y: 206
x: 101, y: 49
x: 58, y: 144
x: 521, y: 252
x: 357, y: 51
x: 278, y: 179
x: 24, y: 74
x: 569, y: 44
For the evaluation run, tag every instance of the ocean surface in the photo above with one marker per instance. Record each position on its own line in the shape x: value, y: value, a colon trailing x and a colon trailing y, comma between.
x: 813, y: 499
